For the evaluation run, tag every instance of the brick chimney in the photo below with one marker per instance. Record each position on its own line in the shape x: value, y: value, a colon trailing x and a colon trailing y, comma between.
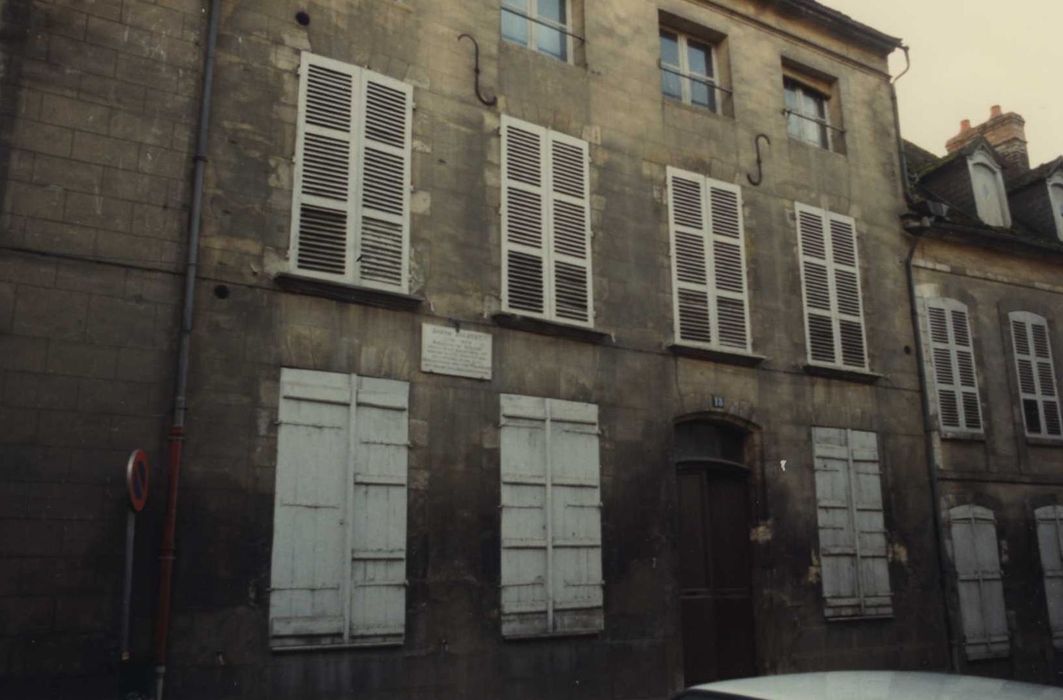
x: 1005, y: 131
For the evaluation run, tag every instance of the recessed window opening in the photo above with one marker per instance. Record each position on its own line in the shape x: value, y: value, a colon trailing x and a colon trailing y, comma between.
x: 540, y: 25
x: 807, y: 118
x: 688, y: 70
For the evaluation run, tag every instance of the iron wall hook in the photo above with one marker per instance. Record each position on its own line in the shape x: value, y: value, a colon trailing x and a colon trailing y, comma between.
x: 490, y: 102
x: 760, y: 165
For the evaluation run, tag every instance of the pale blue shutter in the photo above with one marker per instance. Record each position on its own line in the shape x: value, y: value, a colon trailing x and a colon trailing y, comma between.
x: 1050, y: 544
x: 980, y: 586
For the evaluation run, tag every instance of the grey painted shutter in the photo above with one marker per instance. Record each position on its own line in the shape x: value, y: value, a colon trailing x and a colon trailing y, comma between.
x: 688, y: 227
x: 952, y: 354
x: 378, y: 533
x: 570, y: 229
x: 307, y: 574
x: 339, y: 537
x: 830, y: 274
x: 852, y: 536
x: 383, y: 233
x: 324, y: 204
x: 728, y: 265
x: 524, y: 218
x: 551, y: 519
x: 1050, y: 543
x: 1037, y: 378
x: 981, y: 590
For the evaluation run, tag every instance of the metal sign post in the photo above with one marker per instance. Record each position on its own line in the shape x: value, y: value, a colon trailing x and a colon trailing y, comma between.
x: 136, y: 479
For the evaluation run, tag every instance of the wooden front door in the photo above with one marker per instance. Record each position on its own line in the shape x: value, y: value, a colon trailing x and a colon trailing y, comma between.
x: 714, y: 573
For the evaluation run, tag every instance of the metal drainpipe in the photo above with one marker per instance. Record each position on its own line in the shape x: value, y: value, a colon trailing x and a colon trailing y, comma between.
x: 930, y: 430
x: 175, y: 440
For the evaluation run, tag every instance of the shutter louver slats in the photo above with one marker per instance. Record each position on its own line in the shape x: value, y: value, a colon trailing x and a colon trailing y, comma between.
x: 1049, y: 521
x: 1036, y: 373
x: 979, y: 581
x: 524, y: 218
x: 570, y: 229
x: 955, y: 376
x: 708, y: 262
x: 350, y: 210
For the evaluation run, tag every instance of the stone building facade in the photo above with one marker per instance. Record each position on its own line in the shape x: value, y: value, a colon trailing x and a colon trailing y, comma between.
x: 692, y: 449
x: 987, y: 250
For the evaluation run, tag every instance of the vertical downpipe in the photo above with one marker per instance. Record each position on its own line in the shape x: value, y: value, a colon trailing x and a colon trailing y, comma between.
x: 175, y: 440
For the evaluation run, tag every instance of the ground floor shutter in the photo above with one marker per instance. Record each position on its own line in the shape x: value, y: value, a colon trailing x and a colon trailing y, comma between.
x: 1050, y: 543
x: 980, y: 587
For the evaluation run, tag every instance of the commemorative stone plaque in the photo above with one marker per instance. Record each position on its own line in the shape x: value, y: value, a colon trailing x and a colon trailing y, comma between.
x: 446, y: 350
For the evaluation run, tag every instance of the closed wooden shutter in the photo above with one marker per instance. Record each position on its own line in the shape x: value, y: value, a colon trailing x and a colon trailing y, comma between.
x: 710, y: 294
x: 1037, y: 378
x: 830, y: 275
x: 339, y: 536
x: 852, y: 534
x: 1050, y: 543
x: 350, y: 202
x: 546, y: 244
x: 952, y: 355
x: 981, y: 590
x: 551, y: 517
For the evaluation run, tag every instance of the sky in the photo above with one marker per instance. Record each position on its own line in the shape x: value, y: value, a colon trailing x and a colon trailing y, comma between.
x: 968, y: 55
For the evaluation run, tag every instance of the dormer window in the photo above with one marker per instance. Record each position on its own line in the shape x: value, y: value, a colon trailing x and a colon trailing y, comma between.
x: 1055, y: 196
x: 988, y: 186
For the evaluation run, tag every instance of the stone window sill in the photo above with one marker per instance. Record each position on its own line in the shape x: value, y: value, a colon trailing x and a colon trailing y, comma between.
x: 730, y: 357
x: 552, y: 328
x: 850, y: 375
x: 291, y: 282
x: 1044, y: 441
x: 962, y: 435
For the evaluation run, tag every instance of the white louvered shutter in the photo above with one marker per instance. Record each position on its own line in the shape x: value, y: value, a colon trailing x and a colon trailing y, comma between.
x: 710, y: 295
x: 339, y: 537
x: 378, y: 533
x: 952, y: 354
x: 1037, y: 378
x: 830, y: 274
x: 570, y: 229
x: 524, y: 218
x: 551, y: 520
x: 307, y: 582
x: 383, y: 233
x: 350, y: 201
x: 852, y: 535
x: 324, y: 200
x: 981, y: 590
x: 1050, y: 543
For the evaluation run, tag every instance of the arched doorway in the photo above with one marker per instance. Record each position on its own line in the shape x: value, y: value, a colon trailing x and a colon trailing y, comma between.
x: 715, y: 580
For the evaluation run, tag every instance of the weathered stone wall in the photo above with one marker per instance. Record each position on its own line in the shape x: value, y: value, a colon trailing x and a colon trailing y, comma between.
x: 97, y: 116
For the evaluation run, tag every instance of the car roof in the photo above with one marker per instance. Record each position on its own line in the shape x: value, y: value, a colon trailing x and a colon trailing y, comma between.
x: 878, y: 685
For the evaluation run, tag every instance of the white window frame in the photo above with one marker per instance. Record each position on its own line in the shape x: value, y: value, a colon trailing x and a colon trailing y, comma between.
x: 981, y: 158
x: 354, y: 207
x: 1055, y: 199
x: 685, y: 75
x: 533, y: 19
x: 836, y: 317
x: 709, y: 237
x: 991, y: 644
x: 948, y: 306
x: 1049, y: 523
x: 1042, y: 397
x: 803, y: 90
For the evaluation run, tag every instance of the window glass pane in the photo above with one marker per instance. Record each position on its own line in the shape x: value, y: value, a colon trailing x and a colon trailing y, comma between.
x: 701, y: 94
x: 515, y: 27
x: 670, y: 85
x: 552, y: 42
x: 795, y: 126
x: 553, y: 10
x: 790, y: 92
x: 669, y: 48
x: 699, y: 58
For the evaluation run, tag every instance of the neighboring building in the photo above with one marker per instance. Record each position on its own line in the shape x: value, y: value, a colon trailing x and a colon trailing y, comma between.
x: 589, y: 391
x: 988, y: 274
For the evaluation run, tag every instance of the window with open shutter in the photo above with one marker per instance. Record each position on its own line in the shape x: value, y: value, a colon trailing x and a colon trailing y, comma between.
x: 1038, y: 390
x: 952, y: 356
x: 1050, y: 543
x: 830, y: 276
x: 709, y: 290
x: 852, y: 532
x: 973, y: 533
x: 350, y: 200
x: 551, y: 517
x: 546, y: 244
x: 339, y: 529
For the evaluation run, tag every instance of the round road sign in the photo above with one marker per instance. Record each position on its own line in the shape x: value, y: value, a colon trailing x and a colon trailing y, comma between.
x: 136, y: 479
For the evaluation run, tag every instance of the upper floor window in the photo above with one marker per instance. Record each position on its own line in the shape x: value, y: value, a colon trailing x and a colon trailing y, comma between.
x: 952, y: 358
x: 987, y: 182
x: 688, y: 69
x: 1055, y: 196
x: 350, y: 196
x: 1037, y: 376
x: 541, y: 25
x: 806, y: 114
